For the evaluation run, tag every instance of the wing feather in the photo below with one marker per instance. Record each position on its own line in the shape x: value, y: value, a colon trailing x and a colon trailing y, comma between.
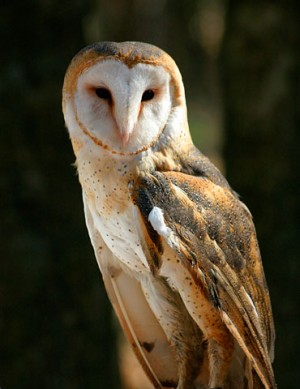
x: 214, y: 232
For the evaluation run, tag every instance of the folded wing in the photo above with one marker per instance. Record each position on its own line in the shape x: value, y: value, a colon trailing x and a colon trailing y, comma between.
x: 214, y: 234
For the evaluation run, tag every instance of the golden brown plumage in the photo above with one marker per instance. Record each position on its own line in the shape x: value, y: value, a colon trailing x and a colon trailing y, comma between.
x: 176, y: 247
x: 215, y: 234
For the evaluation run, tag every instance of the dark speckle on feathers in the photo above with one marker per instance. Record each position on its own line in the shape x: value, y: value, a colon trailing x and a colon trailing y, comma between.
x: 215, y: 232
x: 144, y: 202
x: 148, y: 346
x: 196, y: 164
x: 214, y: 296
x: 199, y: 220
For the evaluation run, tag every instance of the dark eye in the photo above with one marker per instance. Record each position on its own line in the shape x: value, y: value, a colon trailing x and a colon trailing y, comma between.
x: 148, y: 95
x: 103, y: 93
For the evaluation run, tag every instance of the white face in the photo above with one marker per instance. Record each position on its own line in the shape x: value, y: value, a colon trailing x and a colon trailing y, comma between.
x: 124, y: 108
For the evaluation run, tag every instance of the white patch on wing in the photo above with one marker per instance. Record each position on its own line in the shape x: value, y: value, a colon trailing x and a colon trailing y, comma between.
x: 156, y: 218
x: 250, y: 302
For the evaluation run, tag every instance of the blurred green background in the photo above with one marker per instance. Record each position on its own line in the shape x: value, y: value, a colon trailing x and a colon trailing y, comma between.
x: 240, y: 61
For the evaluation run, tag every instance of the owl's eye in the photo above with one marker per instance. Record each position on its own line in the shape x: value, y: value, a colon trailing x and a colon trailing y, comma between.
x: 148, y: 95
x: 103, y: 93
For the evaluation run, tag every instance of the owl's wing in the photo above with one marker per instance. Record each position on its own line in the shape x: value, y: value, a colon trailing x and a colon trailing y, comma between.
x: 136, y: 318
x: 211, y: 230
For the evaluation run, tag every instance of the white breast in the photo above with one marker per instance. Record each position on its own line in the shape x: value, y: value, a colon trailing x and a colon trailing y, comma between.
x: 105, y: 184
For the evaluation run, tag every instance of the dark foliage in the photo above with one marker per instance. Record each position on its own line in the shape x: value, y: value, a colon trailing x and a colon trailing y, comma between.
x: 261, y: 73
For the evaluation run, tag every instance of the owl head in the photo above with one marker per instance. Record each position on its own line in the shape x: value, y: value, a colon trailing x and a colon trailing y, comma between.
x: 125, y: 98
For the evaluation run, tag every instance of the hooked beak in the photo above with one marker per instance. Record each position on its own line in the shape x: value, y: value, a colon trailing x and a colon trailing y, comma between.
x: 126, y: 129
x: 126, y: 116
x: 125, y: 135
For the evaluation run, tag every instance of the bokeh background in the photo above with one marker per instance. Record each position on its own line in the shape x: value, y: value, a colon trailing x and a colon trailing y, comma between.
x: 240, y: 61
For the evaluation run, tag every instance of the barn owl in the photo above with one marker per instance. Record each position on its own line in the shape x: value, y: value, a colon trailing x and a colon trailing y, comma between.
x: 176, y: 247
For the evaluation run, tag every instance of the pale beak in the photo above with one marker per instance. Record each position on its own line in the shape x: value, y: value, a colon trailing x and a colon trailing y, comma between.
x: 125, y: 135
x: 126, y: 116
x: 125, y: 131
